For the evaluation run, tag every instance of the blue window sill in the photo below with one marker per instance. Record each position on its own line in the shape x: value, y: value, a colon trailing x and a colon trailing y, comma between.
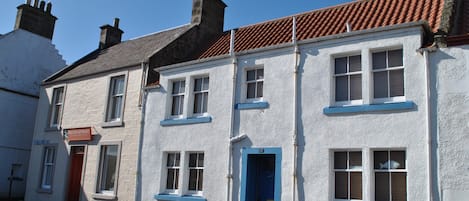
x: 369, y: 108
x: 255, y: 105
x: 167, y: 197
x: 195, y: 120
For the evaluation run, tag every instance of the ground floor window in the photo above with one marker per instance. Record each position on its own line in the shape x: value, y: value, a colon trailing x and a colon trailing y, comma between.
x: 196, y: 171
x: 107, y: 175
x: 172, y: 166
x: 390, y: 175
x: 348, y: 175
x: 48, y: 167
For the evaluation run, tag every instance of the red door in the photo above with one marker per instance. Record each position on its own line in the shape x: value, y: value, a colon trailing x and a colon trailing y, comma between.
x: 74, y: 178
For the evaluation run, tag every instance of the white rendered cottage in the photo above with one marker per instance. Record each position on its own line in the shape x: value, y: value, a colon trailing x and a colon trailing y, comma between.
x: 332, y: 104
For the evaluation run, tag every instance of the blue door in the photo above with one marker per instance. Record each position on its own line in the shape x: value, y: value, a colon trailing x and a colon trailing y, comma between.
x: 260, y: 178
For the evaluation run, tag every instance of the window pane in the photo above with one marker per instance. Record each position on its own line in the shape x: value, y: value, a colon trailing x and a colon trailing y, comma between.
x: 356, y: 185
x: 118, y: 85
x: 192, y: 160
x: 50, y: 155
x: 116, y: 107
x: 380, y: 80
x: 395, y: 58
x: 192, y: 180
x: 198, y: 103
x: 399, y: 186
x: 205, y: 84
x: 260, y: 89
x: 341, y: 88
x: 340, y: 160
x: 57, y: 112
x: 382, y: 186
x: 379, y: 60
x: 355, y: 87
x: 171, y: 160
x: 58, y: 95
x: 341, y: 185
x: 251, y: 75
x: 355, y: 159
x: 175, y: 106
x: 397, y: 160
x: 201, y: 180
x: 397, y: 82
x: 341, y: 65
x: 182, y: 86
x: 198, y: 84
x: 251, y: 90
x: 170, y: 180
x: 176, y: 87
x: 381, y: 160
x: 355, y: 63
x: 48, y: 175
x: 260, y: 74
x: 200, y: 160
x: 205, y: 102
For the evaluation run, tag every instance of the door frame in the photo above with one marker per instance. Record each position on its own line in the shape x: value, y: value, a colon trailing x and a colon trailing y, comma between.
x: 278, y: 169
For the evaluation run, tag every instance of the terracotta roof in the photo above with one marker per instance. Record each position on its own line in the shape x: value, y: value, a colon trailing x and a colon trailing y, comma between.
x: 125, y: 54
x: 361, y: 15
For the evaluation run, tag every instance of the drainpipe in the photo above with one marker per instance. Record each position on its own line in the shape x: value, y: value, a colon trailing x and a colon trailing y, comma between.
x: 295, y: 109
x: 142, y: 105
x: 232, y: 139
x: 424, y: 52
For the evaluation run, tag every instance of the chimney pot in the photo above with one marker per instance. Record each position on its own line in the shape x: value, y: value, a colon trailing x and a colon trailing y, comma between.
x: 36, y: 3
x: 49, y: 7
x: 28, y: 2
x: 116, y: 22
x: 42, y: 5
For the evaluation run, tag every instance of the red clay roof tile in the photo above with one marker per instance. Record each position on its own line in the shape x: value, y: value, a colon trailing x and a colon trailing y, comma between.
x: 361, y: 15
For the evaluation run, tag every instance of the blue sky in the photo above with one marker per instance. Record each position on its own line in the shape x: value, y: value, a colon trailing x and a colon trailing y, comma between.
x: 77, y: 28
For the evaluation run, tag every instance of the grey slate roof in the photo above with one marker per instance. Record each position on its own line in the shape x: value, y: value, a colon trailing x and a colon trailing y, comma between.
x: 125, y: 54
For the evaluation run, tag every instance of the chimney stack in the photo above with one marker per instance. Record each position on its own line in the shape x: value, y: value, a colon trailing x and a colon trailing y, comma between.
x: 36, y: 18
x: 110, y: 35
x: 209, y: 14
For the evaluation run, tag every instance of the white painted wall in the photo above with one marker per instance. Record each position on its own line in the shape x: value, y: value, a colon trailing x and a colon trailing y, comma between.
x: 319, y: 135
x: 25, y: 60
x: 84, y: 106
x: 451, y: 92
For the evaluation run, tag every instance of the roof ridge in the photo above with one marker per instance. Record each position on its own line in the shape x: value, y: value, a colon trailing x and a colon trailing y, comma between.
x: 158, y: 32
x: 303, y: 13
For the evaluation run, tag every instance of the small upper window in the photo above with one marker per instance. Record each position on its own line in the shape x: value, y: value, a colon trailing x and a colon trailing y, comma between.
x: 201, y: 86
x: 177, y: 107
x: 255, y: 83
x: 116, y: 99
x: 56, y: 107
x: 388, y: 74
x: 348, y: 78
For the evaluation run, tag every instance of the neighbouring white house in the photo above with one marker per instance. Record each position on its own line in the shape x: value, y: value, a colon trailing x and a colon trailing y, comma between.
x: 360, y: 101
x: 27, y: 56
x: 88, y: 122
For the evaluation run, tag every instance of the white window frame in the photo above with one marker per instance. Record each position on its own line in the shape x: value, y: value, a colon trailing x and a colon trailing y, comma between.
x: 348, y: 74
x: 105, y: 194
x: 388, y: 69
x: 202, y: 91
x: 176, y: 181
x: 246, y: 82
x: 197, y: 167
x: 181, y: 101
x: 53, y: 111
x: 111, y: 97
x: 390, y: 171
x: 348, y: 171
x: 47, y: 166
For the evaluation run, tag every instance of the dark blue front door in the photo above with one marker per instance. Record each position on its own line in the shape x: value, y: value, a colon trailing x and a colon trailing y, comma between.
x: 260, y: 177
